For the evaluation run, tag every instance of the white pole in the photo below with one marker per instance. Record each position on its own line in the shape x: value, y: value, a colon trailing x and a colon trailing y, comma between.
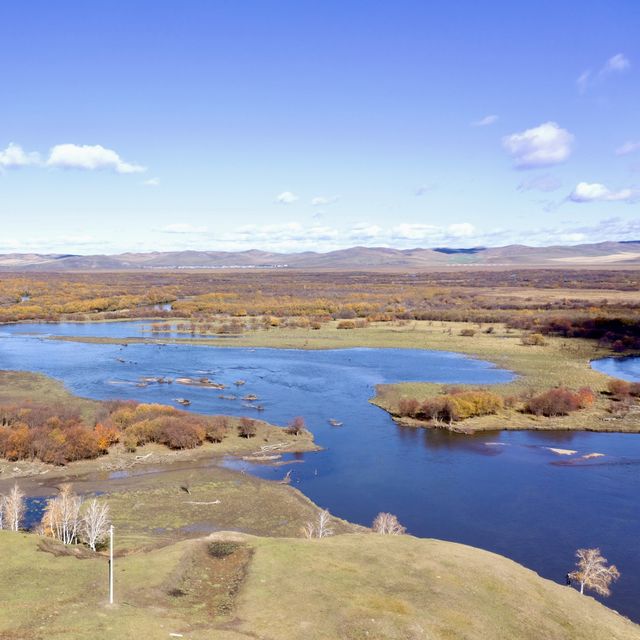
x: 111, y: 564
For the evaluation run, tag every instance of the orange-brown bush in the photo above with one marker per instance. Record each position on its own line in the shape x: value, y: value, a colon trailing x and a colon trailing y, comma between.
x: 217, y: 428
x: 247, y: 428
x: 57, y: 435
x: 559, y: 402
x: 621, y: 389
x: 296, y: 426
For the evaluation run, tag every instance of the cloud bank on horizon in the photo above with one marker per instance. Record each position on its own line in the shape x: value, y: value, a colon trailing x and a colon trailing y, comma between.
x: 430, y: 135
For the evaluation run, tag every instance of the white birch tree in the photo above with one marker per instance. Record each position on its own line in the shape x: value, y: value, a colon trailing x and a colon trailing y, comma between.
x: 387, y: 524
x: 593, y: 573
x: 62, y: 516
x: 94, y: 524
x: 13, y: 509
x: 321, y: 528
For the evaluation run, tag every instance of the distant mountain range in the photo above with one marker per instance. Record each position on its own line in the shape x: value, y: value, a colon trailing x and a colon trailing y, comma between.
x: 602, y: 254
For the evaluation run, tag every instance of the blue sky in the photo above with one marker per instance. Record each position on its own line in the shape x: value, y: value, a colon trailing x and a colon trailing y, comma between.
x: 297, y: 125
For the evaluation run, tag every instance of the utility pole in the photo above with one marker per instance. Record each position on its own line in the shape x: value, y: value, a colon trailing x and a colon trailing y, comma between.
x: 111, y: 564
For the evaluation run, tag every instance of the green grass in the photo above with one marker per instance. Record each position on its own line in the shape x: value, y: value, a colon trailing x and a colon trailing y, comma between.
x: 369, y: 586
x: 25, y: 386
x: 350, y: 587
x: 44, y: 596
x: 154, y: 509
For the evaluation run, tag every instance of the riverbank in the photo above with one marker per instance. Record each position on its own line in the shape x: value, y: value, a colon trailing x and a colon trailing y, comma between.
x: 21, y: 387
x: 539, y: 367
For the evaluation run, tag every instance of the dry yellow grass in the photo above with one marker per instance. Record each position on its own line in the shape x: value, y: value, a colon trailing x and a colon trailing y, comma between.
x: 350, y: 587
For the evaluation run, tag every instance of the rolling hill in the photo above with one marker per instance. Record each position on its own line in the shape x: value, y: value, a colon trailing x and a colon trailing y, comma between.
x: 602, y: 254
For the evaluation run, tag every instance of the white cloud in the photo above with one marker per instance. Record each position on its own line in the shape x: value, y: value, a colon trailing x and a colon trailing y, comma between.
x: 615, y: 64
x: 286, y: 197
x: 52, y: 244
x: 422, y: 189
x: 294, y: 236
x: 545, y: 182
x: 89, y: 157
x: 628, y: 147
x: 486, y: 121
x: 461, y: 230
x: 596, y: 192
x: 542, y: 146
x: 182, y: 228
x: 14, y: 156
x: 572, y: 238
x: 409, y: 231
x: 152, y: 182
x: 364, y: 232
x: 320, y: 201
x: 583, y: 81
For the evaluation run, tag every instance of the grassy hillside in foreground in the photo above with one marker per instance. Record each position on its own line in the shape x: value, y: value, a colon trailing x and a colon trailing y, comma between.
x: 349, y: 587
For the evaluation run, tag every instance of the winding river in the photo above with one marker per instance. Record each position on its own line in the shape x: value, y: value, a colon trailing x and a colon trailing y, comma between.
x: 505, y: 491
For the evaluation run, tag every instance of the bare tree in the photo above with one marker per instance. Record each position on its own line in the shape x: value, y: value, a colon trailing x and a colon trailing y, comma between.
x: 13, y: 508
x: 62, y: 516
x: 3, y: 502
x: 593, y: 573
x: 387, y: 524
x: 321, y: 528
x: 94, y: 524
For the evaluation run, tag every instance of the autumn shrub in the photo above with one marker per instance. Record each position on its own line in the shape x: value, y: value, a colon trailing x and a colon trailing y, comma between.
x: 621, y: 389
x: 130, y: 441
x: 247, y: 428
x: 558, y: 402
x: 408, y: 407
x: 106, y: 435
x: 144, y: 432
x: 216, y: 429
x: 455, y: 404
x: 438, y: 409
x: 468, y: 333
x: 586, y: 397
x: 180, y: 433
x: 533, y: 339
x: 346, y: 324
x: 510, y: 401
x: 35, y: 431
x: 296, y: 427
x: 81, y: 444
